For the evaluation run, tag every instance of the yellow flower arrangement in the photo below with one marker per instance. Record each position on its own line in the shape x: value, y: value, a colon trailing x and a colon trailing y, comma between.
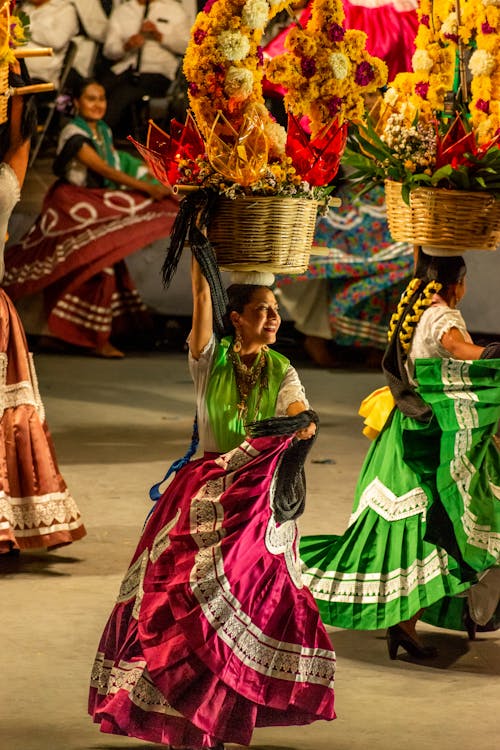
x: 224, y: 63
x: 475, y: 25
x: 325, y: 71
x: 14, y: 31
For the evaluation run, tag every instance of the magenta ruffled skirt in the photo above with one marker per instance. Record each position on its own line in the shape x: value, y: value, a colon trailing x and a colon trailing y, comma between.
x: 213, y: 632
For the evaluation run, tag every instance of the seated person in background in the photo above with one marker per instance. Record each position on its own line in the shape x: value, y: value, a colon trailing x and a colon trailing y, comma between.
x: 105, y: 206
x: 144, y: 40
x: 353, y: 284
x: 93, y: 20
x: 53, y: 23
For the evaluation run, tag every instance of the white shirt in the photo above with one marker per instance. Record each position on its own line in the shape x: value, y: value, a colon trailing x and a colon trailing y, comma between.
x: 291, y: 390
x: 126, y: 20
x: 53, y: 24
x: 437, y: 320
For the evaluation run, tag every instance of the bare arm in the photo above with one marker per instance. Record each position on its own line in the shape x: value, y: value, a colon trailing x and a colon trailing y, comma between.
x: 18, y: 152
x: 202, y: 327
x: 87, y: 156
x: 295, y: 408
x: 454, y: 343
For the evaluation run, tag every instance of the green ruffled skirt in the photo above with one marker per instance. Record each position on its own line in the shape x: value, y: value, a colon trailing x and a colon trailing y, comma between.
x: 426, y: 517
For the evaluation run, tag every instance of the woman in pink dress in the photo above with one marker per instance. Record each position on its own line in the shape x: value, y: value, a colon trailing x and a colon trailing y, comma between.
x: 213, y: 633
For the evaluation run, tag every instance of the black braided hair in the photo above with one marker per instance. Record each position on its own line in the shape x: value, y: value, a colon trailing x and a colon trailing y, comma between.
x: 191, y: 219
x: 432, y: 273
x: 290, y: 486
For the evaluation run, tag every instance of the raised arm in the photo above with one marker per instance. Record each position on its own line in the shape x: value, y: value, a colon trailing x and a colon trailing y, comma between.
x: 87, y: 156
x: 202, y: 326
x: 18, y: 152
x: 454, y: 343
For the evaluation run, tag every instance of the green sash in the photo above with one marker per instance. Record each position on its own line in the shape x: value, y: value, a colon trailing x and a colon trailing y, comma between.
x: 222, y: 396
x: 106, y: 151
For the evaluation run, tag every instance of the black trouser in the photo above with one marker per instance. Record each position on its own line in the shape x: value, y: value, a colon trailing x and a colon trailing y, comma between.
x: 124, y: 90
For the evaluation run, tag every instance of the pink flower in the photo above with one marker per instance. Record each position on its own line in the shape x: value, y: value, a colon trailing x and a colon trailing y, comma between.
x: 487, y: 29
x: 334, y: 104
x: 483, y: 106
x: 260, y: 55
x: 425, y: 20
x: 193, y: 88
x: 422, y: 89
x: 335, y: 32
x: 364, y: 73
x: 308, y: 67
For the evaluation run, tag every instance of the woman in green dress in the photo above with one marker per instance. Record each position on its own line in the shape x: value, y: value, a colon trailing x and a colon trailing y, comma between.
x: 425, y: 525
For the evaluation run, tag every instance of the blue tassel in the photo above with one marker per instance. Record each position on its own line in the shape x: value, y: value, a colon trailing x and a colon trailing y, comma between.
x: 154, y: 492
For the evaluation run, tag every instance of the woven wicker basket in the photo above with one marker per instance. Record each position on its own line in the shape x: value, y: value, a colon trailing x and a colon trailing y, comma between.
x: 444, y: 218
x: 263, y: 233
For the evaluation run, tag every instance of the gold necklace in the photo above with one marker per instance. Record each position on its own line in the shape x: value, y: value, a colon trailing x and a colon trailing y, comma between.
x: 246, y: 380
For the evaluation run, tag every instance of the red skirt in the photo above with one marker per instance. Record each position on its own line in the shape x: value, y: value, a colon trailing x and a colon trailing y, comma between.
x: 213, y: 633
x: 73, y: 254
x: 36, y: 509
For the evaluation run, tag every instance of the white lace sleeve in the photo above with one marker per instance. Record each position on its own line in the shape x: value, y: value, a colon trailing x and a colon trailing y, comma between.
x: 435, y: 322
x: 444, y: 323
x: 291, y: 390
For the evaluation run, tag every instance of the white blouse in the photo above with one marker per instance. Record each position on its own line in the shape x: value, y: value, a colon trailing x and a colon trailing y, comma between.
x: 291, y: 390
x: 10, y: 193
x: 437, y: 320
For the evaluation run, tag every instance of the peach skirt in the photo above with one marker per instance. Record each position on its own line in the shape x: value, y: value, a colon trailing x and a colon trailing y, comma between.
x: 36, y: 509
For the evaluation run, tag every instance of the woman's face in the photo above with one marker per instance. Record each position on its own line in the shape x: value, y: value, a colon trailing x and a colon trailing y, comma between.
x: 91, y: 104
x: 259, y: 322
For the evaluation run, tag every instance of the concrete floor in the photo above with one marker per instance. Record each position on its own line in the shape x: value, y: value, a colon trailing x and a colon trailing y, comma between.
x: 116, y: 426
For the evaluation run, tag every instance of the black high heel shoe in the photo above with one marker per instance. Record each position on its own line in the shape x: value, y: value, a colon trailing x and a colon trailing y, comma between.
x: 470, y: 625
x: 397, y: 637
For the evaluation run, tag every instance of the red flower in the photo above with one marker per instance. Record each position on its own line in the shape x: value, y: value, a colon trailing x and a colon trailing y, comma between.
x: 335, y: 32
x: 364, y: 74
x: 308, y: 67
x: 315, y: 159
x: 487, y: 29
x: 483, y: 106
x: 422, y: 89
x: 199, y: 35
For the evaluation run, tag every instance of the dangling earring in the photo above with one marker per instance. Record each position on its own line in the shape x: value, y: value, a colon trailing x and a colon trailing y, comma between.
x: 237, y: 342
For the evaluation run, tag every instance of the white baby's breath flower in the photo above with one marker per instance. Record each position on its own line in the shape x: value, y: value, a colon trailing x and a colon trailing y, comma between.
x: 450, y: 25
x: 255, y: 14
x: 238, y: 83
x: 421, y: 61
x: 481, y: 63
x: 234, y: 45
x: 340, y: 65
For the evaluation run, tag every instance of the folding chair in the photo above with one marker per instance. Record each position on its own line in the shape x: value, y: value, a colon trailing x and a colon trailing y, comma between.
x: 43, y: 128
